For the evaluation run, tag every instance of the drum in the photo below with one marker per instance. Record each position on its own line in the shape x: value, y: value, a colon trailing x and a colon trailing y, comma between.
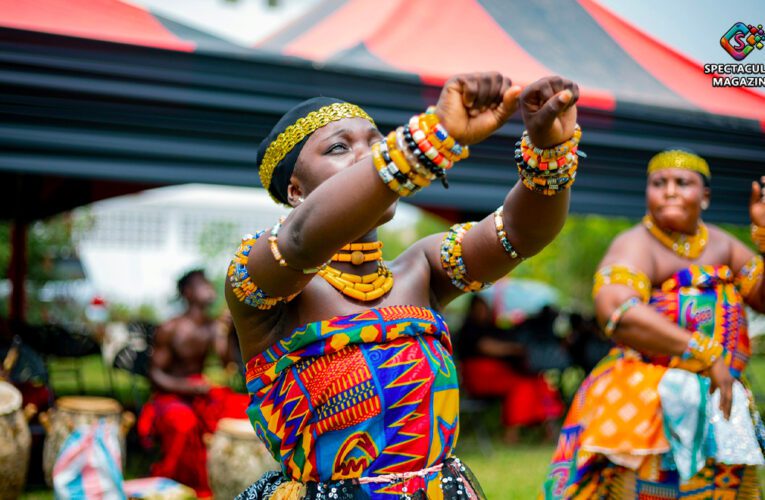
x: 71, y: 412
x: 15, y: 443
x: 236, y: 458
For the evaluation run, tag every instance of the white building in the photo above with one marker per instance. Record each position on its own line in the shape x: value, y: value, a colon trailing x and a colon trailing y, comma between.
x: 137, y: 246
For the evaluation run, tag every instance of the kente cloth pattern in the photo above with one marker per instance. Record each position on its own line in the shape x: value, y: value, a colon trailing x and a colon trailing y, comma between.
x: 621, y: 438
x: 360, y: 396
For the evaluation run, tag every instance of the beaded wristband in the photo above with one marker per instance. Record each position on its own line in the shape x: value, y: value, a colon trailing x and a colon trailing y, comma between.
x: 391, y: 176
x: 749, y: 275
x: 702, y: 348
x: 499, y: 225
x: 758, y: 237
x: 424, y: 160
x: 452, y: 262
x: 273, y: 243
x: 618, y: 314
x: 409, y: 156
x: 548, y: 171
x: 618, y: 274
x: 241, y: 284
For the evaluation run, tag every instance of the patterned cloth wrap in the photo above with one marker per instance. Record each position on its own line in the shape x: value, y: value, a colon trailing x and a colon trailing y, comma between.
x: 639, y: 429
x: 360, y: 396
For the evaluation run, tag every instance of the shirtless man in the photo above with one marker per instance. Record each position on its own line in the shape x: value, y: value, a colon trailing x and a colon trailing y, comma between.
x: 185, y: 405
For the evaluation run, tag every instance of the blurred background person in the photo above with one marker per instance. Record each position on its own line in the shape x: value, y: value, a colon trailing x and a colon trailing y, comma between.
x: 494, y: 365
x: 185, y: 405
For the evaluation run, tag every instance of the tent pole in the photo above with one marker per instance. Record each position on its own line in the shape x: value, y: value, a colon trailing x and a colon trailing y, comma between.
x: 18, y: 270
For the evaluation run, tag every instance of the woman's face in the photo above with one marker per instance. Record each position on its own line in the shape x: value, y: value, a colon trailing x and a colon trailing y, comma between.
x: 675, y: 197
x: 331, y: 149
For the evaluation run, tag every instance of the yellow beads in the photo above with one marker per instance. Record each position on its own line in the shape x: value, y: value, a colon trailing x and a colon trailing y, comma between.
x: 684, y: 245
x: 365, y: 288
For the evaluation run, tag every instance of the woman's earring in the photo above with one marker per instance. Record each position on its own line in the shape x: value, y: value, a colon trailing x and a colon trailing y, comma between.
x: 704, y: 205
x: 301, y: 199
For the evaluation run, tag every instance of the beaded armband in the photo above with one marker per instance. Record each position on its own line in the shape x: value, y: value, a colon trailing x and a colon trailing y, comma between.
x: 758, y: 237
x: 451, y: 259
x: 701, y: 353
x: 750, y: 274
x: 241, y: 284
x: 618, y: 314
x: 499, y: 225
x: 622, y: 275
x: 548, y: 171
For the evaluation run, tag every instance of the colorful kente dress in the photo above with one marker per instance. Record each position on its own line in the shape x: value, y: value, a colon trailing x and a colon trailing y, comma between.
x: 346, y: 405
x: 638, y: 429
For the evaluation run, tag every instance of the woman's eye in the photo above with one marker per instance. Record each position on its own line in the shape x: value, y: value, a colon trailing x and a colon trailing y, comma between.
x: 337, y: 148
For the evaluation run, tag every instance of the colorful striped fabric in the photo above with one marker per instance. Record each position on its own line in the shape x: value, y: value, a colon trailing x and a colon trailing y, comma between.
x: 89, y: 464
x: 358, y: 396
x: 624, y: 438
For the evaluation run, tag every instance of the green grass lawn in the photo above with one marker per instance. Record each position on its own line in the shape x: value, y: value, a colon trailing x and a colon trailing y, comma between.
x: 505, y: 473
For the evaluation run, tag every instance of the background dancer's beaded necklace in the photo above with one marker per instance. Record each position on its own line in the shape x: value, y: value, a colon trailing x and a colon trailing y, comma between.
x: 360, y: 287
x: 684, y: 245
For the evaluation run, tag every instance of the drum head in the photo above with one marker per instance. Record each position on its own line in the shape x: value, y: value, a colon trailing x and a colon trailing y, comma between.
x: 88, y: 404
x: 10, y: 398
x: 238, y: 427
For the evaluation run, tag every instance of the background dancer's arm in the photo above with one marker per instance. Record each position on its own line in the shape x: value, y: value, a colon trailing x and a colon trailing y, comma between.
x: 644, y: 329
x: 741, y: 254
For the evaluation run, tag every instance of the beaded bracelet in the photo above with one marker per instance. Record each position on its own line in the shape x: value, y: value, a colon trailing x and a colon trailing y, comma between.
x: 241, y: 284
x: 618, y: 274
x: 499, y: 225
x: 452, y: 262
x: 391, y: 176
x: 702, y: 348
x: 410, y: 157
x: 616, y: 316
x: 548, y: 171
x: 424, y: 160
x: 758, y: 237
x: 273, y: 243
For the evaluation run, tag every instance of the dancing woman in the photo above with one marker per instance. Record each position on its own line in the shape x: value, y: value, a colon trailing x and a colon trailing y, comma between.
x: 350, y: 372
x: 671, y: 293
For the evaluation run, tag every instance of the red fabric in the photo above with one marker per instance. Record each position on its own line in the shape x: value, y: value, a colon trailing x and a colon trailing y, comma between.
x: 110, y: 20
x: 179, y: 423
x: 526, y: 399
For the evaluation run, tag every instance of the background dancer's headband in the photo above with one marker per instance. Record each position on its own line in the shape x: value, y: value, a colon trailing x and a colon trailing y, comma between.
x: 279, y: 151
x: 678, y: 158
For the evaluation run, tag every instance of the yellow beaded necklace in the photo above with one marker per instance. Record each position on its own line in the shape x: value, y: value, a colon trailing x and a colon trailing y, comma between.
x: 354, y: 253
x: 367, y: 287
x: 687, y: 246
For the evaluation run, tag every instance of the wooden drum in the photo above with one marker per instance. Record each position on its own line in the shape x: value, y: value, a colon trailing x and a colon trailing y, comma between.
x: 71, y: 412
x: 15, y: 443
x: 236, y: 458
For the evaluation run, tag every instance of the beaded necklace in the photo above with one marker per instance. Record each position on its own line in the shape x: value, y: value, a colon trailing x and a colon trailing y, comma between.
x: 354, y: 253
x: 684, y: 245
x: 360, y: 287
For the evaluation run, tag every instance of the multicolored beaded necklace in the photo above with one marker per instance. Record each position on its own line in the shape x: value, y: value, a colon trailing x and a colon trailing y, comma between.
x: 367, y: 287
x: 684, y: 245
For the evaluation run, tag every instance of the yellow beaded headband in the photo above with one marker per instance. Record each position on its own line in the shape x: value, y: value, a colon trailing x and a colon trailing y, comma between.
x: 677, y: 158
x: 304, y: 126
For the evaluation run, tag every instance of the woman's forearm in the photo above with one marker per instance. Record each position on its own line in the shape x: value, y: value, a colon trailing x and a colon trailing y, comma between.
x: 533, y: 220
x: 646, y: 330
